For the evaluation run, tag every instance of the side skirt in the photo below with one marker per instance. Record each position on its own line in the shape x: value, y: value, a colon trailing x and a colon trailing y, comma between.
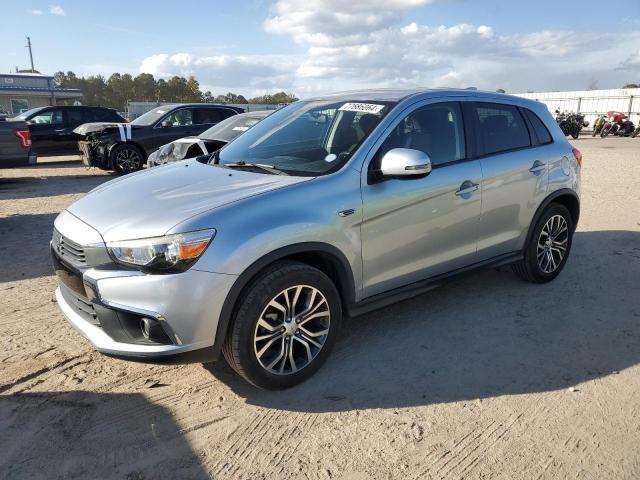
x: 381, y: 300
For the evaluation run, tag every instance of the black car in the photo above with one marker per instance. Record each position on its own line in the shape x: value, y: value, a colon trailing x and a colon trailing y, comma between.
x: 15, y: 144
x: 208, y: 141
x: 52, y: 127
x: 126, y: 147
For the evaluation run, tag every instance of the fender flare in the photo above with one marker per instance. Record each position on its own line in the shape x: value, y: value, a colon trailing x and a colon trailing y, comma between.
x: 347, y: 287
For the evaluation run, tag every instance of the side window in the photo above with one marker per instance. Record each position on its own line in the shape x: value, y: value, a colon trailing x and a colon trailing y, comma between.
x: 181, y: 118
x: 208, y: 115
x: 213, y: 115
x: 74, y: 117
x: 541, y: 132
x: 500, y: 128
x: 50, y: 117
x: 436, y: 130
x: 91, y: 115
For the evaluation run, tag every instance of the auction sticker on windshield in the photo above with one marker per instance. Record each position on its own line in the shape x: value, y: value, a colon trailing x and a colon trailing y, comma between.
x: 361, y: 107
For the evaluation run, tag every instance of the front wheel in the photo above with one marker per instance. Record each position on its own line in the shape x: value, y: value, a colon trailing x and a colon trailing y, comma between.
x: 549, y: 246
x: 605, y: 131
x: 635, y: 132
x: 127, y: 158
x: 575, y: 133
x: 285, y: 326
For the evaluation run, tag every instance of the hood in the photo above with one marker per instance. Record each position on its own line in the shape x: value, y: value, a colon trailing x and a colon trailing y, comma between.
x: 149, y: 203
x: 103, y: 127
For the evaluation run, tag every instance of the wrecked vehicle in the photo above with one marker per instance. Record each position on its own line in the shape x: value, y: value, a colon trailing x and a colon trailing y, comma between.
x: 208, y: 141
x: 125, y: 147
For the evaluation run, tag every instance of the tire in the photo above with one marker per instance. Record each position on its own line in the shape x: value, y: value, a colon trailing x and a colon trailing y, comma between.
x: 575, y: 133
x: 261, y: 333
x: 127, y: 158
x: 635, y: 132
x: 605, y: 131
x: 536, y: 266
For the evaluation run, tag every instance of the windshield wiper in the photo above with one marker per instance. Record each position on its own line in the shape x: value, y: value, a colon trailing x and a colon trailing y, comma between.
x: 267, y: 168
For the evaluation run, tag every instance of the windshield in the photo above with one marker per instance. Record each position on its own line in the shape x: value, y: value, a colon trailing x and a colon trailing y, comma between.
x: 230, y: 128
x: 307, y: 138
x: 152, y: 116
x: 28, y: 113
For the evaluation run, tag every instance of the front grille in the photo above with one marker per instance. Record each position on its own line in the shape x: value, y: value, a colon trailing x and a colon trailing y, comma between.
x: 68, y: 250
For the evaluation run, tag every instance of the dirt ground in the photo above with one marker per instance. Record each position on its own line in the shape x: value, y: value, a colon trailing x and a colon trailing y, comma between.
x: 487, y: 377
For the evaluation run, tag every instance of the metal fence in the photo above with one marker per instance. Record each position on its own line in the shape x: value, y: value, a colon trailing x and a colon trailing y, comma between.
x: 591, y: 103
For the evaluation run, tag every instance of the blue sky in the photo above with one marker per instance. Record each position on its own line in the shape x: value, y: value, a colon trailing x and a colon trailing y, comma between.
x: 308, y: 47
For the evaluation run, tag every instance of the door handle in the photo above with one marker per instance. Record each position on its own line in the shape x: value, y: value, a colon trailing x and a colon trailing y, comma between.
x: 538, y: 167
x: 467, y: 188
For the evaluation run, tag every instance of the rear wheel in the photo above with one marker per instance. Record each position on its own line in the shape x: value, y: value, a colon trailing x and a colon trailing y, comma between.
x: 285, y: 326
x: 126, y: 159
x: 549, y: 246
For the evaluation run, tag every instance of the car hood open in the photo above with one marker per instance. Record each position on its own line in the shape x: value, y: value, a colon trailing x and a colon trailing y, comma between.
x: 150, y: 202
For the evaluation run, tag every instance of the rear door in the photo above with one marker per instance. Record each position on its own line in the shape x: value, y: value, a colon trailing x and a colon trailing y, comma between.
x: 207, y: 117
x: 418, y: 228
x: 514, y: 175
x: 48, y: 128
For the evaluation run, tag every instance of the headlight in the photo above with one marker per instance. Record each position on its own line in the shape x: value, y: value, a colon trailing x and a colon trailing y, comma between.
x: 151, y: 161
x: 168, y: 254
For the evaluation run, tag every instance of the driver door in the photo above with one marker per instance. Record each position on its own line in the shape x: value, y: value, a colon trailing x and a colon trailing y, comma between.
x: 421, y: 227
x: 181, y: 123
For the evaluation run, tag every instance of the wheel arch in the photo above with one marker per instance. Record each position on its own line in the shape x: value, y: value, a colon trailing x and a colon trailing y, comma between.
x: 323, y: 256
x: 565, y: 197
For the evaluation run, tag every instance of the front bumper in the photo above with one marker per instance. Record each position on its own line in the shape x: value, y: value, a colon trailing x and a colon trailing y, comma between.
x: 106, y: 306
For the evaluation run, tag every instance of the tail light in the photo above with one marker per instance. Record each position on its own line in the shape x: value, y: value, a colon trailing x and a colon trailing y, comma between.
x: 578, y: 156
x: 25, y: 137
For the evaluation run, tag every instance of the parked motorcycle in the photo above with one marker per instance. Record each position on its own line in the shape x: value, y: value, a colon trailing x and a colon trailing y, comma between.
x: 618, y: 124
x: 598, y: 124
x: 571, y: 123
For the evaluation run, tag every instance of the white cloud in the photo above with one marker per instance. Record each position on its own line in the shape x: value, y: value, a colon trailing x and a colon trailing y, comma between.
x: 57, y: 10
x: 359, y: 44
x: 36, y: 12
x: 249, y: 74
x: 632, y: 62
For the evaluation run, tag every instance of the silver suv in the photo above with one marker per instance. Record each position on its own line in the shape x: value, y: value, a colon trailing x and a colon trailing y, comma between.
x: 328, y: 207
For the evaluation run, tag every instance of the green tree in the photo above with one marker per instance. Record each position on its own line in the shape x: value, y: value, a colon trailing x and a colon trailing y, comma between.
x: 144, y: 88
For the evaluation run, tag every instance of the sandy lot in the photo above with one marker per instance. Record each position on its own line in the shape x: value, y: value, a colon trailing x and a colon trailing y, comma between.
x: 488, y: 377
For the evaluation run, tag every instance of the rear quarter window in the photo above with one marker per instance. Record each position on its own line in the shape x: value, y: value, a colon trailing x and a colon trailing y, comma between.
x: 500, y: 128
x: 541, y: 133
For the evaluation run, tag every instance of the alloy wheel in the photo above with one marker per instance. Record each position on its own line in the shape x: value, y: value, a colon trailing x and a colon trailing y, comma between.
x: 552, y: 243
x: 128, y: 160
x: 292, y: 330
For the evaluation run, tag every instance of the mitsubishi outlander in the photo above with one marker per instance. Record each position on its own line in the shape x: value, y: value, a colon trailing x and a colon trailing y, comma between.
x: 328, y: 207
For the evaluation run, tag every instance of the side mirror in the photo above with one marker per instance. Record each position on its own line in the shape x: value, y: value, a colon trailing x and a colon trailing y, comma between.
x: 404, y: 163
x: 165, y: 124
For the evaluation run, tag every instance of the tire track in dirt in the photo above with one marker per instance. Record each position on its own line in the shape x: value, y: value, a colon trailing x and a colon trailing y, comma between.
x: 39, y: 373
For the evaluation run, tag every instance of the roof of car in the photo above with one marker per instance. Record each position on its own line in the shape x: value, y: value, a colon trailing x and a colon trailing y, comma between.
x: 396, y: 95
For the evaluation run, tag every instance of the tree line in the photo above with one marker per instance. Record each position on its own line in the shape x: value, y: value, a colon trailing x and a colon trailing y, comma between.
x: 118, y: 89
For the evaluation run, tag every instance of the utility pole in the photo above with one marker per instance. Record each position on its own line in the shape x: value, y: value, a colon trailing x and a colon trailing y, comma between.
x: 30, y: 54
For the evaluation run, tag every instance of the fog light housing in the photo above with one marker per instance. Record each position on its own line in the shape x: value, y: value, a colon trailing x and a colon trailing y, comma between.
x: 152, y: 330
